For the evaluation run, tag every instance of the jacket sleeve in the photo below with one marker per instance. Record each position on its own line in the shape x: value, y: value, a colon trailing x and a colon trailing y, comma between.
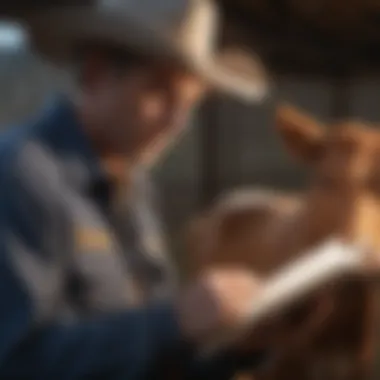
x: 34, y: 343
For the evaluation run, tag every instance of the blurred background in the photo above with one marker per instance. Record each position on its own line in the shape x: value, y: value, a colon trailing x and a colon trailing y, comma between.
x: 323, y: 56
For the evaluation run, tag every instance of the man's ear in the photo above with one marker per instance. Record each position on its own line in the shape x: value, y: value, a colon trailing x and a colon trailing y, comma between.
x: 303, y: 135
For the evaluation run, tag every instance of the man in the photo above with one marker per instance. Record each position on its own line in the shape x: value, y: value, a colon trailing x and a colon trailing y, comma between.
x: 86, y: 289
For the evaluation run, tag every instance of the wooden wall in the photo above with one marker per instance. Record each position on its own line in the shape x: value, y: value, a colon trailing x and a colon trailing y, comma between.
x: 249, y: 153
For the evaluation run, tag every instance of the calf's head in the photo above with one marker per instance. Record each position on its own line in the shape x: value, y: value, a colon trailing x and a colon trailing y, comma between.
x: 343, y: 197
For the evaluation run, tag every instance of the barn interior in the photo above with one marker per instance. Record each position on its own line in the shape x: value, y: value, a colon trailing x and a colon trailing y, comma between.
x: 322, y: 56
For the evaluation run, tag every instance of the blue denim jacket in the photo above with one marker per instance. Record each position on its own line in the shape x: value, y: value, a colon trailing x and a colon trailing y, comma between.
x: 84, y: 284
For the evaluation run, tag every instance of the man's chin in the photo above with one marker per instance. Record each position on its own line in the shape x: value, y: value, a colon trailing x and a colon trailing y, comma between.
x: 151, y: 156
x: 154, y: 152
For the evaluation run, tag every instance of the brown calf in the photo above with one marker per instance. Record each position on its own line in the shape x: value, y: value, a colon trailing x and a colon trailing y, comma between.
x: 264, y: 230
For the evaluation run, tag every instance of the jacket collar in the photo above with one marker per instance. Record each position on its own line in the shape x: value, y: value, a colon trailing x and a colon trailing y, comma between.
x: 60, y: 130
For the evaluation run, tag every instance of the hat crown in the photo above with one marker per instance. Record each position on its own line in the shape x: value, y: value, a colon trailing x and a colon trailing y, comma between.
x: 182, y: 31
x: 165, y: 10
x: 190, y: 24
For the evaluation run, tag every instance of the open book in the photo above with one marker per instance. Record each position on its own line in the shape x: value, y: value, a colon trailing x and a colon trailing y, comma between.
x: 327, y: 262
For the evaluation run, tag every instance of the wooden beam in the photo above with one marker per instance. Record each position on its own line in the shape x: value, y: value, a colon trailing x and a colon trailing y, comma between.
x: 209, y: 152
x: 299, y: 42
x: 341, y: 96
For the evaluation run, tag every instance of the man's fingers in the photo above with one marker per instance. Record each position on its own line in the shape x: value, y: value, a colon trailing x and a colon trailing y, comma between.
x: 219, y: 301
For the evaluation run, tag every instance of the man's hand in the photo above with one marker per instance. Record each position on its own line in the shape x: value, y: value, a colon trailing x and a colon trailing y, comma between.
x: 216, y: 302
x: 220, y: 300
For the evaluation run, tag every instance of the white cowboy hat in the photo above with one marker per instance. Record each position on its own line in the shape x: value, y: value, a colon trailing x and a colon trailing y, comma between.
x: 182, y: 30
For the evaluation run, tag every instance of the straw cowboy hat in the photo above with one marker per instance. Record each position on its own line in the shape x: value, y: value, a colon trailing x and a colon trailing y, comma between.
x: 184, y: 31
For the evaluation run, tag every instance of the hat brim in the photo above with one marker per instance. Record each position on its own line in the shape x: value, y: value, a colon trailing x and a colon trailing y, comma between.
x: 55, y: 32
x: 237, y: 73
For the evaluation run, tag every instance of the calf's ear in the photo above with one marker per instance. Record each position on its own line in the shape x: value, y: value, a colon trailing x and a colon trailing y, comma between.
x: 302, y: 135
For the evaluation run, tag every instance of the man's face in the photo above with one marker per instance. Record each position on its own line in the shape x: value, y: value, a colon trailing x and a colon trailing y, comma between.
x: 143, y: 110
